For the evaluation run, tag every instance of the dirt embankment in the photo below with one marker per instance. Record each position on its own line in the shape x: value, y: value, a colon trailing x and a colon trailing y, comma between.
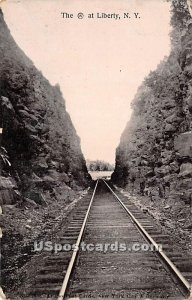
x: 24, y: 225
x: 175, y: 218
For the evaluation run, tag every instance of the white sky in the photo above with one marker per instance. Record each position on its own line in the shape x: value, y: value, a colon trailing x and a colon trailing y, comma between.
x: 98, y: 63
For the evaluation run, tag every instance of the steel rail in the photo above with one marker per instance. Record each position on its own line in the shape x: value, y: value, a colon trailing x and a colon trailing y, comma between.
x: 75, y: 251
x: 161, y: 253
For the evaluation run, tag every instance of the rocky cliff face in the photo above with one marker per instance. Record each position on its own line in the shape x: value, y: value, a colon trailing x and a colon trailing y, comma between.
x: 40, y: 148
x: 155, y: 151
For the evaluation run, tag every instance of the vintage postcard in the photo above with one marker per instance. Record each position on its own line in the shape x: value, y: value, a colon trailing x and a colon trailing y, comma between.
x: 96, y: 149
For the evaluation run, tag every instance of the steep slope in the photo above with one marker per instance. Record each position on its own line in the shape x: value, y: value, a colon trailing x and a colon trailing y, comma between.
x: 38, y: 135
x: 155, y: 151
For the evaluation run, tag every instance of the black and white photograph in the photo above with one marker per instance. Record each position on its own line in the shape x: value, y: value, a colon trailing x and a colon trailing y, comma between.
x: 96, y: 149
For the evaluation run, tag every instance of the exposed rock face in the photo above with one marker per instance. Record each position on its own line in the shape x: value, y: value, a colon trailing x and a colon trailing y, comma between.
x: 155, y: 151
x: 183, y: 144
x: 38, y: 135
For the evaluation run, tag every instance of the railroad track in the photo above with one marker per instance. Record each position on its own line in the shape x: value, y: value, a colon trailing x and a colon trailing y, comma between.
x: 116, y: 255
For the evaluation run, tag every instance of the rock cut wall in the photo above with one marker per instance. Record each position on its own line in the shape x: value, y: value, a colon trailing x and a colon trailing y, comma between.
x: 155, y: 150
x: 38, y: 136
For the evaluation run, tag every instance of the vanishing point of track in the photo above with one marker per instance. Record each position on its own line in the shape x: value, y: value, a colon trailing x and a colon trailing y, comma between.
x: 105, y: 267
